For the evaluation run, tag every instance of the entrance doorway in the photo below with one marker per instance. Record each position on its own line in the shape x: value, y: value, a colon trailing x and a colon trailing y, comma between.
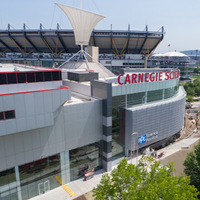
x: 43, y: 187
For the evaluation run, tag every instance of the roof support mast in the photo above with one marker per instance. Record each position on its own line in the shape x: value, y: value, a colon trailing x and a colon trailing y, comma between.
x: 81, y: 9
x: 80, y: 4
x: 83, y: 23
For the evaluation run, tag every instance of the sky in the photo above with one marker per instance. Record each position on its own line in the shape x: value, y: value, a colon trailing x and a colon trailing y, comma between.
x: 180, y: 18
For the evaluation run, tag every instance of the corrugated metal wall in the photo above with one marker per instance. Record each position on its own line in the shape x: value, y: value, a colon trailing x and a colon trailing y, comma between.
x: 166, y: 118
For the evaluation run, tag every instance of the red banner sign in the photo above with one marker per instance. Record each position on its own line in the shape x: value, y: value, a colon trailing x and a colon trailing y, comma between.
x: 148, y: 77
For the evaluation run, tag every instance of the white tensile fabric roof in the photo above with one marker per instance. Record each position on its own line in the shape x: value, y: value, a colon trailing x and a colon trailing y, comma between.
x: 83, y: 22
x: 175, y: 54
x: 170, y: 54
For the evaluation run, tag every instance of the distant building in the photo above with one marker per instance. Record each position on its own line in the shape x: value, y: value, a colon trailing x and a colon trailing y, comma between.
x: 115, y: 63
x: 174, y: 60
x: 194, y: 54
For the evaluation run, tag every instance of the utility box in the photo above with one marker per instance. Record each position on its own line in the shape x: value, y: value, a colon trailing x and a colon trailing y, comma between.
x: 82, y: 76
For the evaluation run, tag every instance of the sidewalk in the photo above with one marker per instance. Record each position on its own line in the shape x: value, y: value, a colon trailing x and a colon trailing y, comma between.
x: 81, y: 187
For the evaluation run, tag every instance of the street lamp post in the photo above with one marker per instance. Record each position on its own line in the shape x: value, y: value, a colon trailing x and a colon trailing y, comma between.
x: 134, y: 145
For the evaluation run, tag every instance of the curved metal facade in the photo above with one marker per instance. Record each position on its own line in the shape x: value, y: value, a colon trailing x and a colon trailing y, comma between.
x: 155, y: 121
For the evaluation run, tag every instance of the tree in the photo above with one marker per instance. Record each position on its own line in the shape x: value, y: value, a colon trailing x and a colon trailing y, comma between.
x: 146, y: 181
x: 192, y: 166
x: 190, y: 99
x: 196, y: 70
x: 190, y: 91
x: 197, y: 90
x: 196, y: 83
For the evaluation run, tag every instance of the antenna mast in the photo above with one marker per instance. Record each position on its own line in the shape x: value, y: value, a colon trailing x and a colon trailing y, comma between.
x: 80, y: 4
x: 81, y: 8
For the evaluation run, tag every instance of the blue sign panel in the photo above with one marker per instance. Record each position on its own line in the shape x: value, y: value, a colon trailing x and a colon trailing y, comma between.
x: 142, y: 139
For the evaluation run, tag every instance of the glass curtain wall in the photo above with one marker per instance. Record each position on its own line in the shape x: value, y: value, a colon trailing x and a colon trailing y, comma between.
x: 40, y: 176
x: 118, y: 126
x: 89, y: 156
x: 8, y: 185
x: 154, y: 95
x: 135, y: 99
x: 43, y: 175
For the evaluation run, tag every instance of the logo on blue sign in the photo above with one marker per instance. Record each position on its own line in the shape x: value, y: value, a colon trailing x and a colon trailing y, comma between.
x: 142, y: 139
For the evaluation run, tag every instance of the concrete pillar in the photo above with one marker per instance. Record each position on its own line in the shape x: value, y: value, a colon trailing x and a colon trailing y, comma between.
x: 94, y: 53
x: 126, y: 100
x: 145, y: 61
x: 127, y: 152
x: 163, y: 94
x: 144, y: 99
x: 65, y: 167
x: 105, y: 92
x: 18, y: 183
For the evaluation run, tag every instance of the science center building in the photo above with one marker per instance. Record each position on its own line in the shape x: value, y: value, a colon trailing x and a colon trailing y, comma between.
x: 57, y: 122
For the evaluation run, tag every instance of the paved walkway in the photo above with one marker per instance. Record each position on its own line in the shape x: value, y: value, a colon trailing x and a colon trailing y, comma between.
x: 81, y: 187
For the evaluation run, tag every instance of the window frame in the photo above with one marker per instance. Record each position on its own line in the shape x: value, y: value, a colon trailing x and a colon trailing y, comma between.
x: 4, y: 115
x: 59, y: 76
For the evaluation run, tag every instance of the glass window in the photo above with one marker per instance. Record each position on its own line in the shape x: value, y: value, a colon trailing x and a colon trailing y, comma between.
x: 10, y: 114
x: 21, y: 77
x: 30, y: 77
x: 10, y: 194
x: 83, y: 158
x: 7, y: 176
x: 39, y: 76
x: 24, y: 192
x: 134, y: 99
x: 118, y: 126
x: 47, y: 76
x: 60, y: 75
x: 1, y: 116
x: 154, y: 95
x: 11, y: 78
x: 169, y: 92
x: 55, y: 76
x: 175, y: 89
x: 39, y: 176
x: 3, y: 79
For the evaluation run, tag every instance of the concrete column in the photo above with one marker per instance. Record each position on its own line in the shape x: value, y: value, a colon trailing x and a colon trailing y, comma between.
x: 107, y: 143
x: 104, y: 91
x: 127, y: 152
x: 65, y: 167
x: 94, y: 53
x: 145, y: 98
x: 163, y: 94
x: 126, y: 100
x: 18, y: 183
x: 145, y: 61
